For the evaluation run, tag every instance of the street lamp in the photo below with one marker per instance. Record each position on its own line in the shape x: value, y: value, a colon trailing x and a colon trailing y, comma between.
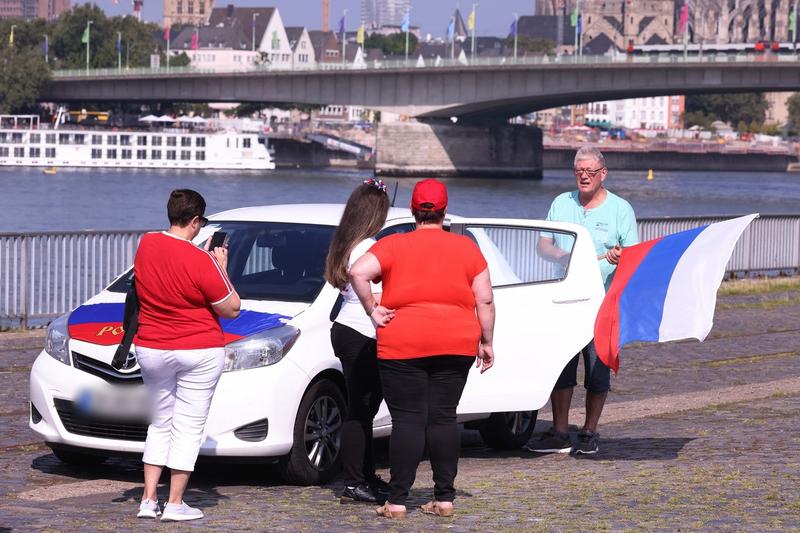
x: 88, y: 39
x: 254, y: 30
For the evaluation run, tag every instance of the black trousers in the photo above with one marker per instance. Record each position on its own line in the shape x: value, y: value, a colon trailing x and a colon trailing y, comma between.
x: 358, y: 355
x: 422, y: 395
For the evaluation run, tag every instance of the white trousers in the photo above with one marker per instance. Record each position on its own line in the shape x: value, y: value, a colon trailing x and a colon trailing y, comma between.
x: 180, y: 384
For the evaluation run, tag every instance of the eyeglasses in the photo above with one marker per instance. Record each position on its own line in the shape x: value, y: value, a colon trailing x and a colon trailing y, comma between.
x: 203, y: 222
x: 588, y: 171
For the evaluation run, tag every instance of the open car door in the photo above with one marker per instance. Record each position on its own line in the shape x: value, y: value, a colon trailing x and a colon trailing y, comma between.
x: 545, y: 311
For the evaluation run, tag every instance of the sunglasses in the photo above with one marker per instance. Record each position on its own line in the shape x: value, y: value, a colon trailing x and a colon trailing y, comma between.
x: 203, y: 222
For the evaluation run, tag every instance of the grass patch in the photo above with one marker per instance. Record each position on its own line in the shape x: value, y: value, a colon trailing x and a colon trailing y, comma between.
x: 748, y: 359
x: 741, y: 287
x: 767, y: 304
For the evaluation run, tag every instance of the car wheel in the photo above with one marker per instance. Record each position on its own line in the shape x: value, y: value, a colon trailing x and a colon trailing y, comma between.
x: 314, y: 457
x: 508, y: 431
x: 78, y: 459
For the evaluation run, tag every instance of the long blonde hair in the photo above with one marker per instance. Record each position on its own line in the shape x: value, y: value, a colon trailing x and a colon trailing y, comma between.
x: 363, y: 217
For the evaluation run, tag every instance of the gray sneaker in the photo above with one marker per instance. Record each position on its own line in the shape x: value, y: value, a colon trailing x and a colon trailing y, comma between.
x: 588, y: 443
x: 551, y: 441
x: 177, y: 512
x: 148, y: 509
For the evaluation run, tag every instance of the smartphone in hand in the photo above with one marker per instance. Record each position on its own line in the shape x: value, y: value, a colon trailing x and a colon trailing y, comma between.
x: 217, y: 240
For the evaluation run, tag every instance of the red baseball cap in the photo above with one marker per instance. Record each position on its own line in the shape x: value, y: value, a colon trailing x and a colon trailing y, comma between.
x: 429, y: 195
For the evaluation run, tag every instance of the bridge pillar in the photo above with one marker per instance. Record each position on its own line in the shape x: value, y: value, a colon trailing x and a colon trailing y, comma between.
x: 441, y: 148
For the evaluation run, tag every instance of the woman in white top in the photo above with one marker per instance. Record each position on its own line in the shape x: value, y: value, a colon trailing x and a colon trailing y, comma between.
x: 353, y: 340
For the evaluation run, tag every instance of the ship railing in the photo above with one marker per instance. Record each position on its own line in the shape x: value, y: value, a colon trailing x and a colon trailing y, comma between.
x: 44, y: 275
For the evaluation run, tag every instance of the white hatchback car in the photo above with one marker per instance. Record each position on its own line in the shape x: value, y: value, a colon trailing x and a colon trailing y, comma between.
x: 281, y: 396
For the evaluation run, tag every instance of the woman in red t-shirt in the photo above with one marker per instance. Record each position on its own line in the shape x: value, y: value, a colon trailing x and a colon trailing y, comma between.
x: 182, y: 290
x: 435, y: 316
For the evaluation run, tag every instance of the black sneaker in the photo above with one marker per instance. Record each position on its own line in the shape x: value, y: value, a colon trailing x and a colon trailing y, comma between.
x: 588, y: 443
x: 551, y: 441
x: 362, y: 493
x: 378, y: 484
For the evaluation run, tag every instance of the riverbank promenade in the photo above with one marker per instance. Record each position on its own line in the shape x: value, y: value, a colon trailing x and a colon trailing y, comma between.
x: 696, y: 436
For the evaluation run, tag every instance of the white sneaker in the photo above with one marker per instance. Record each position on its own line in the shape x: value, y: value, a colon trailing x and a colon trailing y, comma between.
x: 148, y: 509
x: 180, y: 511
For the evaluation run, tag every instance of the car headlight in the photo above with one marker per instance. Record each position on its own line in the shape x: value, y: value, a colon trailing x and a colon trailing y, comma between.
x: 57, y: 342
x: 262, y: 349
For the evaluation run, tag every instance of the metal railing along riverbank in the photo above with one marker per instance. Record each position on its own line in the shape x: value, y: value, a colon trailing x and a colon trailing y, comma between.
x: 43, y: 275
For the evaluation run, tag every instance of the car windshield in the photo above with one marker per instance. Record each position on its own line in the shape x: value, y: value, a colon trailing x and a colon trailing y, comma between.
x: 270, y: 260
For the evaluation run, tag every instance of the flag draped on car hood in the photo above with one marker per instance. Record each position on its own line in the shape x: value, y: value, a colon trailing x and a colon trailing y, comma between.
x: 666, y: 289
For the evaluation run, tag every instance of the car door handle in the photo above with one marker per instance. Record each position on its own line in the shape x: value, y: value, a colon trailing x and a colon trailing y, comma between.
x: 571, y: 299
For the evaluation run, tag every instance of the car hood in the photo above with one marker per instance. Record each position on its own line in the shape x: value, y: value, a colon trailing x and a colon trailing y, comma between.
x: 99, y: 320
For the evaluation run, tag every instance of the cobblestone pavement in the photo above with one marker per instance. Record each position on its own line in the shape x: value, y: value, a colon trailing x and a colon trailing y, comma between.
x: 699, y: 436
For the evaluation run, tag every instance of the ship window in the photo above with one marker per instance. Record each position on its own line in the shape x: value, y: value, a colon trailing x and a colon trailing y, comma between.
x: 155, y: 154
x: 36, y: 138
x: 111, y: 140
x: 79, y: 138
x: 186, y: 155
x: 141, y: 154
x: 111, y: 154
x: 141, y: 140
x: 155, y: 141
x: 200, y: 141
x: 186, y: 141
x: 171, y: 141
x: 34, y: 152
x: 171, y: 155
x: 125, y: 140
x: 200, y: 156
x: 50, y: 152
x: 63, y: 138
x: 3, y: 136
x: 16, y: 137
x: 19, y: 152
x: 97, y: 139
x: 50, y: 138
x: 3, y: 151
x: 246, y: 143
x: 97, y: 153
x: 126, y: 154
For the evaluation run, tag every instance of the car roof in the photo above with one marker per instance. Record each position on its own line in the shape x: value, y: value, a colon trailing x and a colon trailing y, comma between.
x: 320, y: 214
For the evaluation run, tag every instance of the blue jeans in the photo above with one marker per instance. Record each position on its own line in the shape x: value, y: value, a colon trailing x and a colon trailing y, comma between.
x: 597, y: 376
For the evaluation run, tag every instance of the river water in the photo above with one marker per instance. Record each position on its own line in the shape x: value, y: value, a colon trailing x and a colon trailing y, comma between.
x: 76, y: 199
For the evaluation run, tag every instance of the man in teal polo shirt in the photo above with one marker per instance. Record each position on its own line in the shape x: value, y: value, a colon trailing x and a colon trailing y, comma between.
x: 612, y: 225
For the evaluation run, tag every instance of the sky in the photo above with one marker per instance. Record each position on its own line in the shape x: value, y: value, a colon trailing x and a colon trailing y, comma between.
x: 493, y: 16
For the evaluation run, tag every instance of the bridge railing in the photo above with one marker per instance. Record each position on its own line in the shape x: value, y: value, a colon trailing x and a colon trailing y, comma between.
x: 439, y: 62
x: 43, y: 275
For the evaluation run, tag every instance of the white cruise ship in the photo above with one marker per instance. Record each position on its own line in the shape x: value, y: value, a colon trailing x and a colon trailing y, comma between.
x: 26, y: 143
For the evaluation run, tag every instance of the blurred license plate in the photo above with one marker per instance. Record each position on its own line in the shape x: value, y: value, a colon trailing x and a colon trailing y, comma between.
x: 114, y: 403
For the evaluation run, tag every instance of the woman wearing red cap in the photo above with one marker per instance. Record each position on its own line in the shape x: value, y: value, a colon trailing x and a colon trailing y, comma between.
x: 435, y: 317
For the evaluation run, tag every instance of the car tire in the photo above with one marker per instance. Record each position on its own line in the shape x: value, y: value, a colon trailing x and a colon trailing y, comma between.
x: 508, y: 431
x: 321, y: 414
x: 78, y: 459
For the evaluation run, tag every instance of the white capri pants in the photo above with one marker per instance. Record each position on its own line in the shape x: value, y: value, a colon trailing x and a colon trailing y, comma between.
x: 180, y: 384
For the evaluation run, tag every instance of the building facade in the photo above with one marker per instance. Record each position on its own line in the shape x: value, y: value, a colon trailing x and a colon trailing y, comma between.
x: 302, y: 49
x: 742, y: 21
x: 31, y: 9
x: 651, y: 113
x: 377, y: 13
x: 190, y: 12
x: 262, y: 27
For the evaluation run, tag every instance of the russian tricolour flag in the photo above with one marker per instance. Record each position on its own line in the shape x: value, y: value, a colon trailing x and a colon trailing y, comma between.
x: 666, y: 289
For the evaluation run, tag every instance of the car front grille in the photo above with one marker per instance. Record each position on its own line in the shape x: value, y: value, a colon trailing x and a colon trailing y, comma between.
x: 105, y: 371
x: 253, y: 432
x: 91, y: 426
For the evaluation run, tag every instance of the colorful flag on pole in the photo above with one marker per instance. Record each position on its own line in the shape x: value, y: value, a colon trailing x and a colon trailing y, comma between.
x: 341, y: 25
x: 166, y: 33
x: 793, y: 21
x: 471, y: 20
x: 666, y: 289
x: 46, y: 46
x: 451, y: 29
x: 11, y: 38
x: 512, y: 30
x: 683, y: 18
x: 573, y: 18
x: 195, y: 44
x: 85, y: 36
x: 361, y: 35
x: 406, y: 22
x: 579, y: 26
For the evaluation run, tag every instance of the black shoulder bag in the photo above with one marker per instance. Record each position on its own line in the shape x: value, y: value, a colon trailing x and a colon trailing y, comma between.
x: 130, y: 323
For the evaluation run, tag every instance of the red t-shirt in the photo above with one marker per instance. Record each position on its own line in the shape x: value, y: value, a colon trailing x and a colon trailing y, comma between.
x: 177, y: 283
x: 427, y: 279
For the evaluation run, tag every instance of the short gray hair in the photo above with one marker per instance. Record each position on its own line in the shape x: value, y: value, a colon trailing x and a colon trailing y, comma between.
x: 589, y: 152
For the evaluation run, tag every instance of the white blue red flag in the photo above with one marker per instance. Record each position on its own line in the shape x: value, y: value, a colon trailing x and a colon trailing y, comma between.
x: 666, y: 289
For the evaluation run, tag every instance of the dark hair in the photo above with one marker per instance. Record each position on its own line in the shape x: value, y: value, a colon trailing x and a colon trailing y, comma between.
x: 183, y: 205
x: 363, y: 217
x: 428, y: 217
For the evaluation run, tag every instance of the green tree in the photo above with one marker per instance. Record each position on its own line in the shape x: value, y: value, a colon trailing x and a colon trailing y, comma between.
x: 531, y: 44
x: 793, y: 105
x: 394, y: 44
x: 23, y: 73
x: 730, y: 108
